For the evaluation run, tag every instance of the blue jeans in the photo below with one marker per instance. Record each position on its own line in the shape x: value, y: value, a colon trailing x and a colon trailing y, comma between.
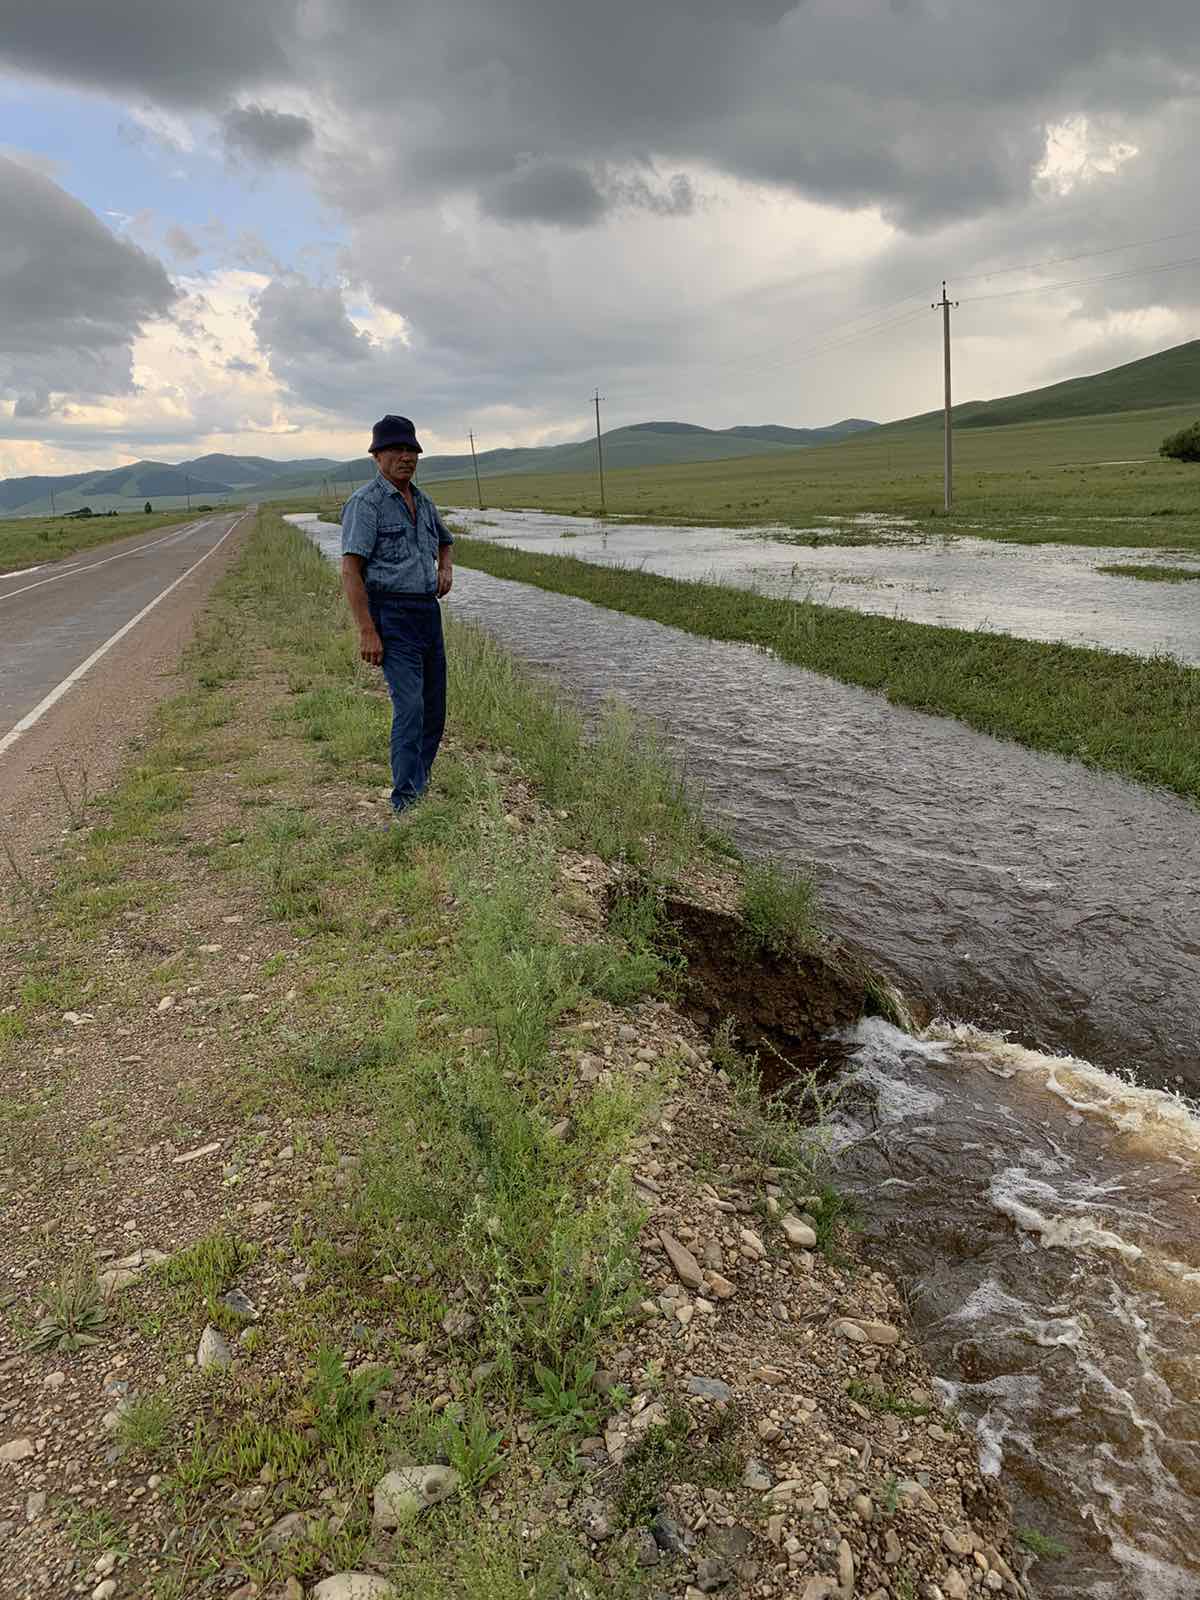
x: 414, y: 664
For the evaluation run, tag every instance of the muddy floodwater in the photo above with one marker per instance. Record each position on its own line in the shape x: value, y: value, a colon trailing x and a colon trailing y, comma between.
x: 1048, y: 592
x: 1041, y: 1209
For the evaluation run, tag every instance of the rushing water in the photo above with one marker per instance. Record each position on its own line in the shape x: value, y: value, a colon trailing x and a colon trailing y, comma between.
x: 1041, y: 1210
x: 1048, y: 592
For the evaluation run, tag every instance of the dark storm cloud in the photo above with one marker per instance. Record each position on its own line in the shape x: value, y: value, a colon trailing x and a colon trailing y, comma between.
x: 262, y: 134
x: 174, y: 52
x: 545, y: 192
x: 73, y: 296
x: 933, y: 109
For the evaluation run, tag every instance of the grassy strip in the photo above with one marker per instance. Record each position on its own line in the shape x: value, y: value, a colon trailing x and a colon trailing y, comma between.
x: 1118, y: 713
x: 436, y: 999
x: 28, y: 541
x: 1151, y: 574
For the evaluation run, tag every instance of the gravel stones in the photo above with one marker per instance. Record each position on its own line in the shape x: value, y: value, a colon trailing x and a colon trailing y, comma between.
x: 17, y: 1450
x: 667, y: 1536
x: 709, y: 1388
x: 354, y: 1586
x: 213, y: 1352
x: 686, y: 1267
x: 712, y: 1574
x: 797, y: 1233
x: 860, y: 1331
x: 406, y: 1492
x: 595, y: 1519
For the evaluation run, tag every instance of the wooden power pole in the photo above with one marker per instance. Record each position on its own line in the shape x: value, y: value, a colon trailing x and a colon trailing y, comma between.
x: 596, y: 398
x: 945, y: 305
x: 475, y: 464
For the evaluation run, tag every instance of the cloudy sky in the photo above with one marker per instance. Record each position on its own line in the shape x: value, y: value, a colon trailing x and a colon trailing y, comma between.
x: 256, y: 226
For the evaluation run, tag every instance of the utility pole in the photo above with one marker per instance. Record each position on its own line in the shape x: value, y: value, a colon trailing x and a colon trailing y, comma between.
x: 53, y: 512
x: 596, y: 398
x: 187, y: 485
x: 945, y: 304
x: 475, y: 464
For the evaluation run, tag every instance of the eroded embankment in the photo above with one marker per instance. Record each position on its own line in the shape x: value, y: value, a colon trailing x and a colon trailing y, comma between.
x: 404, y: 1184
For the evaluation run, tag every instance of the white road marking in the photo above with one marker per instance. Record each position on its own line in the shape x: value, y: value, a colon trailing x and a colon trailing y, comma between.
x: 56, y: 694
x: 75, y: 572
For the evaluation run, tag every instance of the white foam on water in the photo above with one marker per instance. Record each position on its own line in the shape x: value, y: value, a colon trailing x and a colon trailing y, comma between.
x: 1010, y: 1192
x: 1166, y: 1124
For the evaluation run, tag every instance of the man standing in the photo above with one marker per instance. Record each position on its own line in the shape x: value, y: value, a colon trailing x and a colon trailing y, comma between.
x: 396, y: 566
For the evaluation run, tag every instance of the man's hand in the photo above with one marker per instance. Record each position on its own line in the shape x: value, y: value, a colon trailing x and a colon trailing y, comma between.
x: 445, y: 578
x: 370, y: 646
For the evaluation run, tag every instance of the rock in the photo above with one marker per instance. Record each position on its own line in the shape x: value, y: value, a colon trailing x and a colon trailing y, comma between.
x: 293, y: 1589
x: 819, y: 1589
x: 712, y: 1574
x: 105, y: 1590
x: 405, y: 1493
x: 719, y: 1286
x: 35, y: 1506
x: 354, y: 1586
x: 687, y: 1268
x: 457, y: 1324
x: 214, y: 1351
x: 293, y: 1526
x: 195, y: 1155
x: 767, y: 1430
x: 756, y: 1477
x: 820, y: 1496
x: 892, y: 1549
x: 54, y: 1380
x: 645, y: 1548
x: 234, y: 1300
x: 850, y: 1330
x: 864, y: 1507
x: 105, y: 1563
x: 115, y: 1279
x: 954, y: 1585
x: 958, y: 1544
x: 797, y: 1233
x: 17, y: 1450
x: 752, y: 1245
x: 667, y: 1536
x: 594, y: 1518
x: 880, y: 1332
x: 846, y: 1567
x: 709, y: 1388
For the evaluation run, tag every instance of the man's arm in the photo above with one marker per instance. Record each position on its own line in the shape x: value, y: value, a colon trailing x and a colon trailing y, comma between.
x: 370, y: 645
x: 359, y: 529
x: 445, y: 572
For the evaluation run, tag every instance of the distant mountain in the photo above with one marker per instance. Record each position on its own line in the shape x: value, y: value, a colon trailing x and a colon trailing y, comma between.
x: 216, y: 478
x: 1167, y: 378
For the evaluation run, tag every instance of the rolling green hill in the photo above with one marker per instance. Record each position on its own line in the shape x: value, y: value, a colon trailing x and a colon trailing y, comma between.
x: 1167, y: 378
x: 217, y: 478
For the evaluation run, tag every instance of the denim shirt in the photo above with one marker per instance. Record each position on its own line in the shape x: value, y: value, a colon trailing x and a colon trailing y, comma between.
x: 401, y: 555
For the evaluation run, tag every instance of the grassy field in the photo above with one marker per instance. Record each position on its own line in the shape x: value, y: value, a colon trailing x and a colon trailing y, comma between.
x: 1121, y: 713
x: 28, y: 541
x: 1080, y: 481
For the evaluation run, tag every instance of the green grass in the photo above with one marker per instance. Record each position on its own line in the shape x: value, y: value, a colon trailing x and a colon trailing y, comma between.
x: 1095, y: 480
x: 1119, y: 713
x: 1041, y: 1544
x: 1167, y: 378
x: 28, y: 541
x: 1151, y: 574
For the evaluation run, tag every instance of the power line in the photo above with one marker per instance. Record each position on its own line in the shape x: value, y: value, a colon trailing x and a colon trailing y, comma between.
x: 1079, y: 283
x: 1082, y: 255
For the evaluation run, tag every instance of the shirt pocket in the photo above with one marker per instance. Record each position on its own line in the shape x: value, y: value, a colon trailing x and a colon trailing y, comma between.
x: 391, y: 544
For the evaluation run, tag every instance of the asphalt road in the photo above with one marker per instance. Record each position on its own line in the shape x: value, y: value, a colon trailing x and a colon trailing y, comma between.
x: 88, y: 647
x: 58, y: 621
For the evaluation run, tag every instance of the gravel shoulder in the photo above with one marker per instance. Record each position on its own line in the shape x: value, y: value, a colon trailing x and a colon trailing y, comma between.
x: 275, y: 1152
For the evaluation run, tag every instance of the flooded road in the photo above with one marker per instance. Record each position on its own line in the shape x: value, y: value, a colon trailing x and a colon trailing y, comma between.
x: 1041, y: 1210
x: 1047, y: 592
